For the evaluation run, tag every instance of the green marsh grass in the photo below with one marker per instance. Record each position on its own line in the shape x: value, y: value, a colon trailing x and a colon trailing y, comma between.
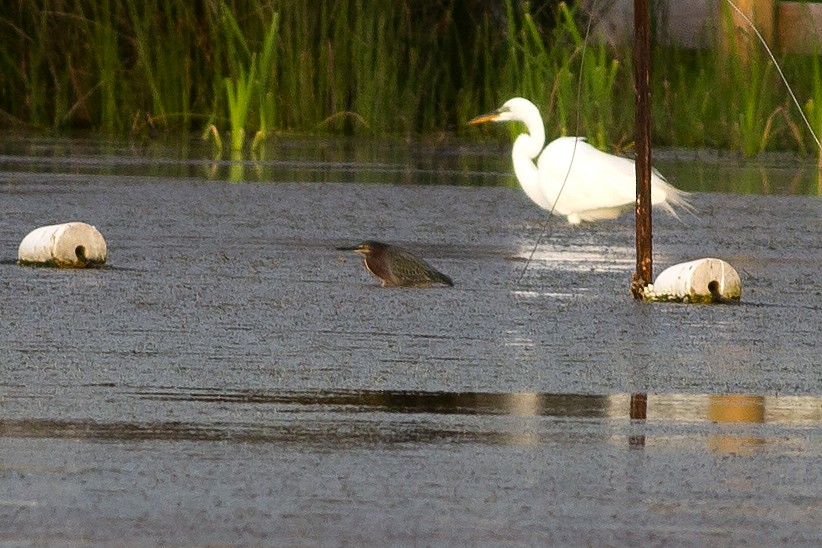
x: 101, y: 29
x: 253, y: 79
x: 266, y: 83
x: 399, y: 68
x: 238, y: 93
x: 581, y: 87
x: 813, y: 106
x: 162, y: 51
x: 754, y: 103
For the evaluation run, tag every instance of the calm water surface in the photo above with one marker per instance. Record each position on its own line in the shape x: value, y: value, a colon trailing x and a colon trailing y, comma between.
x: 231, y: 378
x: 433, y: 161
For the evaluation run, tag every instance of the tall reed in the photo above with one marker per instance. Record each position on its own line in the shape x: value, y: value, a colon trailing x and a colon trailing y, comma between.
x: 373, y: 67
x: 248, y: 85
x: 814, y: 106
x: 577, y: 81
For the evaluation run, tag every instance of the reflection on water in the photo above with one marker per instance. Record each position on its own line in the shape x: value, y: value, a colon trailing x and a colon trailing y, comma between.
x: 580, y: 258
x: 638, y: 411
x: 355, y: 417
x: 332, y: 160
x: 711, y: 171
x: 735, y: 409
x: 447, y: 161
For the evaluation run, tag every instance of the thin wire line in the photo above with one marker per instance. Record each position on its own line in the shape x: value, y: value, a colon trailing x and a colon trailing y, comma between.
x: 573, y: 151
x: 779, y: 70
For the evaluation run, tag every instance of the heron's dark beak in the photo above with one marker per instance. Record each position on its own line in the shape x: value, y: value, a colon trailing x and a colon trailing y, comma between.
x: 359, y: 248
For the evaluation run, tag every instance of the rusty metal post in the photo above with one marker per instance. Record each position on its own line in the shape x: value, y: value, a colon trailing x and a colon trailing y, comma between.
x: 642, y: 87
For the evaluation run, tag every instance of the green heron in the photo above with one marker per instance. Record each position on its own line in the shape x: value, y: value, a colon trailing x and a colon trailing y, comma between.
x: 397, y: 267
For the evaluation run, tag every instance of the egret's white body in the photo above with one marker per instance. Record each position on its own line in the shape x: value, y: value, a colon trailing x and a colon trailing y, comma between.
x: 571, y: 177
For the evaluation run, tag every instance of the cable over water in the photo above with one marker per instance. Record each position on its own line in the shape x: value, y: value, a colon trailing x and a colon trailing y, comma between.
x: 573, y: 151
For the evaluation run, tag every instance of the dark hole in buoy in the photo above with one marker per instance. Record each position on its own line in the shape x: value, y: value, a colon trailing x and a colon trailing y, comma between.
x: 80, y: 252
x: 713, y: 288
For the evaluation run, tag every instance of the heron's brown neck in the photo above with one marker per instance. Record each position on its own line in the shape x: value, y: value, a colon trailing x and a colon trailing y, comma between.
x: 377, y: 268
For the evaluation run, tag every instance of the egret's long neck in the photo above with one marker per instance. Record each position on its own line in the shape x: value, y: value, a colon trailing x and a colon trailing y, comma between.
x: 527, y: 148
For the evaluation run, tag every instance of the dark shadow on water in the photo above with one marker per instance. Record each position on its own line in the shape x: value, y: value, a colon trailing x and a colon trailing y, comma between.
x: 407, y: 402
x: 353, y: 418
x: 90, y: 266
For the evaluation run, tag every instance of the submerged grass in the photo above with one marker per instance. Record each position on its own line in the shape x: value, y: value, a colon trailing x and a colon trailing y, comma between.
x: 375, y: 67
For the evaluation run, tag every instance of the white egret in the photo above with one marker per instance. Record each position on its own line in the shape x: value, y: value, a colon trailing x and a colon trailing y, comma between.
x: 597, y: 186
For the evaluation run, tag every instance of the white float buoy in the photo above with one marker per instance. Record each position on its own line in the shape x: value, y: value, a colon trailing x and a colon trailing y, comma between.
x: 701, y: 281
x: 67, y: 245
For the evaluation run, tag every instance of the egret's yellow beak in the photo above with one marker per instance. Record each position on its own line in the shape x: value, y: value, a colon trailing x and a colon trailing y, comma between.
x: 490, y: 117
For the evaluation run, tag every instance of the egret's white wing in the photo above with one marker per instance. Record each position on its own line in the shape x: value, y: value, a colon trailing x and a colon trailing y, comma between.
x: 596, y: 180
